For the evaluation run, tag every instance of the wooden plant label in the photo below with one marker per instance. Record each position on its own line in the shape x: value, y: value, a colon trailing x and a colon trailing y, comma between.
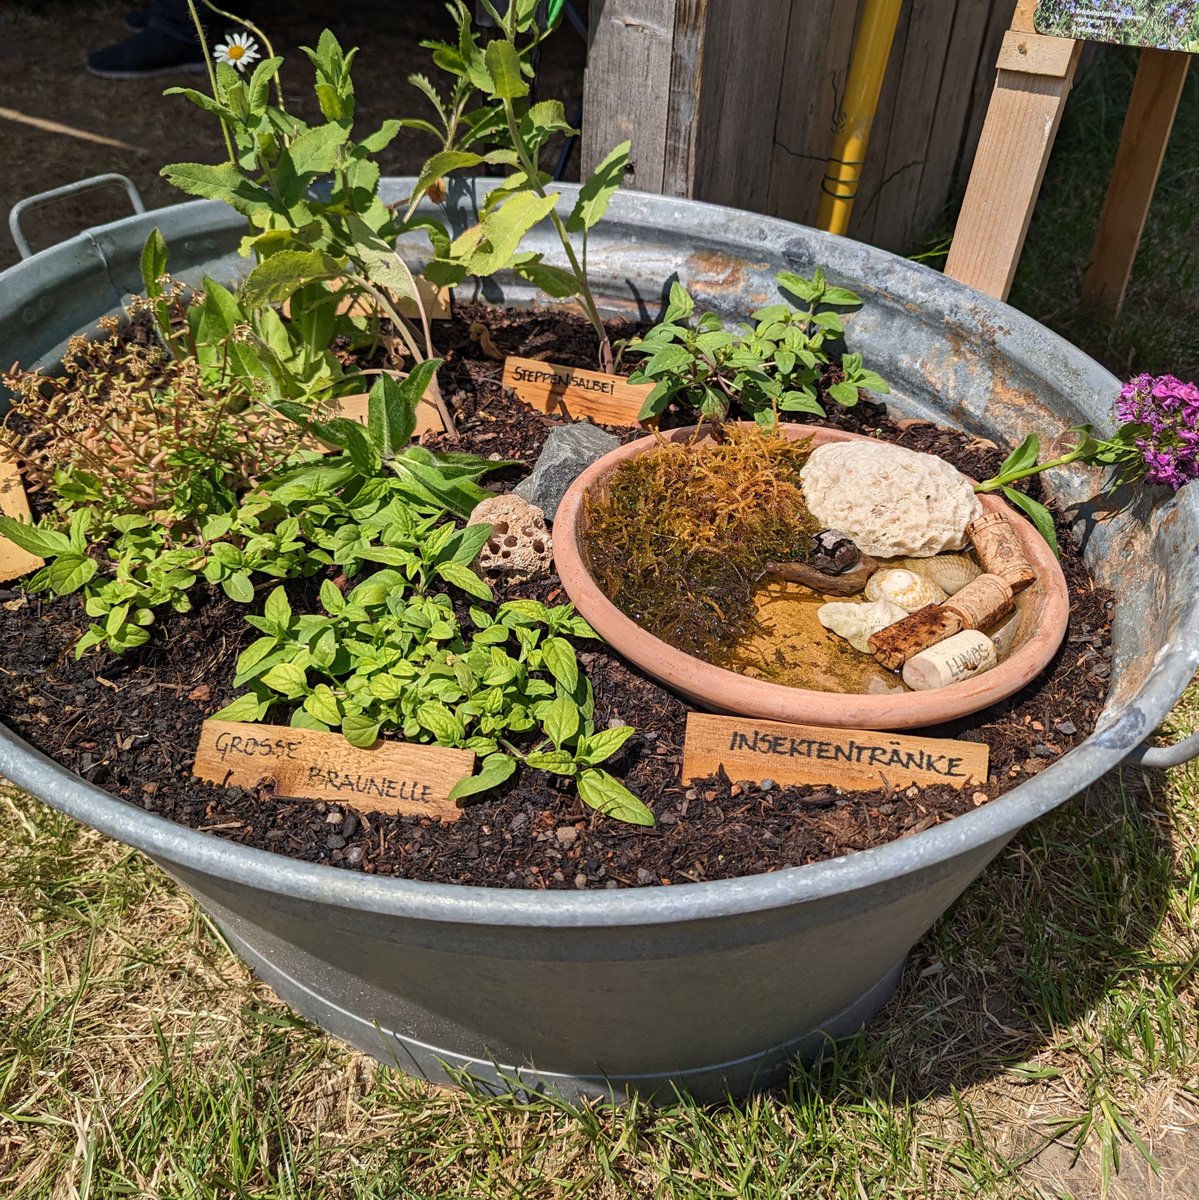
x: 14, y: 562
x: 305, y: 764
x: 574, y: 393
x: 435, y: 299
x: 851, y: 759
x: 428, y: 419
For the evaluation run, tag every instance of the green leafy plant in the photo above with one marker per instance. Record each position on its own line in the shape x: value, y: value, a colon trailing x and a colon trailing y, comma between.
x: 392, y: 655
x: 499, y: 75
x: 779, y: 364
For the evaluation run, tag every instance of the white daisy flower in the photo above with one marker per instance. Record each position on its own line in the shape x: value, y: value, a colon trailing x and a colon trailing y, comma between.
x: 239, y: 51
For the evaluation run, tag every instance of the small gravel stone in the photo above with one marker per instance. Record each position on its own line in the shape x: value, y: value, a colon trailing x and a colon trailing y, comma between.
x: 885, y: 810
x: 1066, y: 727
x: 519, y: 823
x: 581, y: 880
x: 644, y: 876
x: 471, y: 850
x: 667, y: 818
x: 568, y: 835
x: 691, y: 794
x: 767, y: 785
x: 611, y: 885
x: 335, y: 841
x: 349, y: 825
x: 1043, y: 751
x: 354, y: 855
x: 333, y: 817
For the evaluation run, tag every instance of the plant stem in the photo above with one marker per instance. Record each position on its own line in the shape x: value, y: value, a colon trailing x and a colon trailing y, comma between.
x: 533, y: 176
x: 216, y: 95
x: 1002, y: 481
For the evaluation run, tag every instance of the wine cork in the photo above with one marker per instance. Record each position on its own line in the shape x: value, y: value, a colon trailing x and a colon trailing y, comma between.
x: 983, y: 602
x: 962, y: 656
x: 998, y: 547
x: 895, y: 644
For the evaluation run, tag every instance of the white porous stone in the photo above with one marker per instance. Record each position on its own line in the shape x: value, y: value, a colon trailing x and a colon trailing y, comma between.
x: 905, y: 588
x: 519, y: 546
x: 856, y: 622
x: 889, y: 500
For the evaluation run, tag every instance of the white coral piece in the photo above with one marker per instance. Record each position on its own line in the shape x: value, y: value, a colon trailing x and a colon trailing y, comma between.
x: 856, y: 622
x: 889, y: 500
x: 905, y: 588
x: 519, y: 546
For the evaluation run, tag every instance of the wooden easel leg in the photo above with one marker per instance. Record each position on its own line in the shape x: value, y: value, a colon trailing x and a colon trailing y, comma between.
x: 1161, y: 75
x: 1035, y: 74
x: 1022, y: 121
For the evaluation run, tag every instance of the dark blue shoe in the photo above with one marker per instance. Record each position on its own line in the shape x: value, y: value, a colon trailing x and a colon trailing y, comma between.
x: 145, y: 54
x: 137, y: 19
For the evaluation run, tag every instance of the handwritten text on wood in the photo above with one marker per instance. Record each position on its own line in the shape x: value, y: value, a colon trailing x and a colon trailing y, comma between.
x: 851, y: 759
x: 306, y: 764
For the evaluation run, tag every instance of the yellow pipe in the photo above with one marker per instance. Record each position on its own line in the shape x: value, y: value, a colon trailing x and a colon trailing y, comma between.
x: 867, y: 68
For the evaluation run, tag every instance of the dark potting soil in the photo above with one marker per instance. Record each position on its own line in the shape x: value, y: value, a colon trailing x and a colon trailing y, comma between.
x: 131, y: 724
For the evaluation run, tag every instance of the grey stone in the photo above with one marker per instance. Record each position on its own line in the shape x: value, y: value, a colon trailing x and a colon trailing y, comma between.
x: 568, y: 452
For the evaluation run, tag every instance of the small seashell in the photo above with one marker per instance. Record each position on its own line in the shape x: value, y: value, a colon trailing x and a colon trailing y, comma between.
x: 950, y: 572
x: 856, y: 622
x: 908, y: 589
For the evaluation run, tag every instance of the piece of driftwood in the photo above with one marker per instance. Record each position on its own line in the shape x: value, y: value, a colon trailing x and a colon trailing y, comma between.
x: 844, y: 583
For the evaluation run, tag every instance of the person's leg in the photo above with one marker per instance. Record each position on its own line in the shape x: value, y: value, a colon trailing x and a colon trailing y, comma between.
x: 168, y: 42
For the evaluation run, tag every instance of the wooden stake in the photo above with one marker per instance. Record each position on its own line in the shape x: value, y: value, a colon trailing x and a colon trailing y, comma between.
x: 14, y: 562
x: 1022, y: 121
x: 1161, y: 75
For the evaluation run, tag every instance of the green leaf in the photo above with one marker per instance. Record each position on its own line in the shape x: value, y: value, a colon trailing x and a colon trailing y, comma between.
x: 440, y: 722
x: 222, y: 182
x: 69, y: 572
x: 322, y: 704
x: 596, y: 194
x: 34, y: 539
x: 245, y: 708
x: 239, y: 588
x: 503, y: 65
x: 439, y: 165
x: 1038, y: 514
x: 602, y: 745
x: 504, y: 228
x: 360, y: 730
x: 391, y: 409
x: 561, y: 719
x: 554, y: 281
x: 258, y: 89
x: 254, y: 653
x: 314, y: 152
x: 288, y: 678
x: 562, y: 662
x: 277, y: 277
x: 331, y: 598
x: 560, y: 762
x: 494, y: 770
x: 277, y: 609
x: 382, y: 137
x: 463, y: 578
x: 608, y: 795
x: 154, y: 263
x: 1024, y: 456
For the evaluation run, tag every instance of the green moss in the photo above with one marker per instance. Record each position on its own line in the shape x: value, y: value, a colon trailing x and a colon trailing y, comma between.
x: 679, y: 536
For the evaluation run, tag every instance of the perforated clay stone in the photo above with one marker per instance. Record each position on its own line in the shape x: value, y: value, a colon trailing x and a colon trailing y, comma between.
x: 519, y: 546
x: 889, y: 500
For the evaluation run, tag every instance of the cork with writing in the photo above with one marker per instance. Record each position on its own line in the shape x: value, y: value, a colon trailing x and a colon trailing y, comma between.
x: 851, y: 759
x: 573, y: 392
x: 403, y: 778
x: 14, y: 562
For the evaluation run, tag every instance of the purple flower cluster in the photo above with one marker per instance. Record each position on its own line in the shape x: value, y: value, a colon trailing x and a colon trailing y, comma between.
x: 1166, y: 413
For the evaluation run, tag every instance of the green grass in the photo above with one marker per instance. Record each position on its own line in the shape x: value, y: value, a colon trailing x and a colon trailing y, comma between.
x: 1044, y: 1041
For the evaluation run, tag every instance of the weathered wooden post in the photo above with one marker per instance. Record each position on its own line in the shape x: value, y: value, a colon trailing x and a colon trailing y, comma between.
x: 739, y: 103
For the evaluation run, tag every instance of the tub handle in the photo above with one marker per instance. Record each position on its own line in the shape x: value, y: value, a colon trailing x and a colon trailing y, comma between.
x: 68, y: 189
x: 1166, y: 756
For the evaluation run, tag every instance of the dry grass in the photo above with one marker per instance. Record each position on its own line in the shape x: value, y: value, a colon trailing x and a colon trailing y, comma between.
x: 1043, y: 1043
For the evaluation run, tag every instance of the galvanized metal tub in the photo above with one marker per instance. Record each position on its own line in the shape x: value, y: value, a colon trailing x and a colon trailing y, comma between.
x: 710, y: 987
